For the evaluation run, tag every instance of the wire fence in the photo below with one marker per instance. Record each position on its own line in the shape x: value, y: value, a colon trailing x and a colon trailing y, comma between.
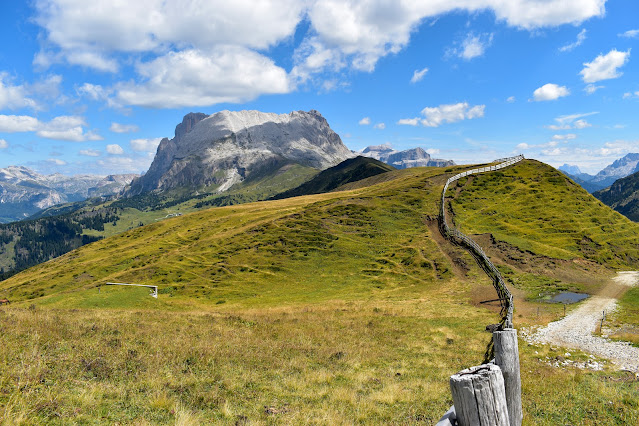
x: 505, y: 297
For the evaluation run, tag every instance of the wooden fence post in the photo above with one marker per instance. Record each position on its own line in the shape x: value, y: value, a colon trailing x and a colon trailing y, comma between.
x: 507, y: 358
x: 479, y: 396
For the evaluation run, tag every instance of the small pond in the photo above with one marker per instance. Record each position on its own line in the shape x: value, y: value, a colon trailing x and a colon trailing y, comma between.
x: 567, y: 297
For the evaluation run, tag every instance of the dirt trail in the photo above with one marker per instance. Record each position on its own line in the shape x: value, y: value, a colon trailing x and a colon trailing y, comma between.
x: 575, y: 330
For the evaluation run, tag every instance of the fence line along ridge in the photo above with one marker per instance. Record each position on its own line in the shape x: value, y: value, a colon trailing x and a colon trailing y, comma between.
x: 505, y: 297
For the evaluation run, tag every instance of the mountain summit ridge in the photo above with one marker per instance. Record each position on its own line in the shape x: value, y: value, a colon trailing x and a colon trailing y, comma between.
x: 24, y: 192
x: 620, y: 168
x: 415, y: 157
x: 226, y: 147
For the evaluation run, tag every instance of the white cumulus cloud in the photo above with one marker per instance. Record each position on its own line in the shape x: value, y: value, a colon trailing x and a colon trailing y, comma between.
x: 591, y: 88
x: 604, y: 67
x: 408, y: 121
x: 114, y: 149
x: 4, y: 144
x: 66, y: 128
x: 580, y: 39
x: 550, y: 92
x: 617, y: 148
x: 179, y: 39
x: 450, y: 113
x: 418, y: 75
x: 145, y: 145
x: 572, y: 121
x: 86, y: 35
x: 123, y: 128
x: 361, y: 29
x: 92, y: 60
x: 13, y: 96
x: 630, y: 34
x: 565, y: 137
x: 581, y: 124
x: 57, y: 161
x: 364, y: 31
x: 89, y: 152
x: 380, y: 126
x: 18, y: 123
x: 94, y: 92
x: 365, y: 121
x: 196, y: 78
x: 472, y: 46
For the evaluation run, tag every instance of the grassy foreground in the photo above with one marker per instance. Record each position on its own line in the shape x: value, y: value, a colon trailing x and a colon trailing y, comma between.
x: 337, y: 308
x: 338, y: 363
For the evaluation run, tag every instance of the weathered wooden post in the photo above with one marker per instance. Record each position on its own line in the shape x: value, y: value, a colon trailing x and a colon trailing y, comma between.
x: 507, y: 358
x: 479, y: 396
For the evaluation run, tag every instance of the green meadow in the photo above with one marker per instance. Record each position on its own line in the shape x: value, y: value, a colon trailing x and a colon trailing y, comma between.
x: 338, y: 308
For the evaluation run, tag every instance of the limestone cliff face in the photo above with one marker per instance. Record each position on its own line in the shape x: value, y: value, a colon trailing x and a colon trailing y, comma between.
x: 227, y: 147
x: 415, y: 157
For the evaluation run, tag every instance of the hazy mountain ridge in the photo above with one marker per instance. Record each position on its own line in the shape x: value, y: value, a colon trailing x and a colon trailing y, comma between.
x: 24, y: 192
x: 620, y: 168
x: 415, y: 157
x: 225, y: 148
x: 623, y: 196
x: 348, y: 171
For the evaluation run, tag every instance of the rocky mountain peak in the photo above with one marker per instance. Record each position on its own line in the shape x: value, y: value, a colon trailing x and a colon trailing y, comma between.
x: 18, y: 173
x: 226, y: 147
x: 618, y: 169
x: 570, y: 169
x: 415, y: 157
x: 189, y: 120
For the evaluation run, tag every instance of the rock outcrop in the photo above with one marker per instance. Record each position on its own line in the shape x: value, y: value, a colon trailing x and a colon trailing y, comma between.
x: 228, y: 147
x: 415, y: 157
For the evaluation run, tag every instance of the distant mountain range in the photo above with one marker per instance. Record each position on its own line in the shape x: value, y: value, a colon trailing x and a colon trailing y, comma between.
x: 226, y: 148
x: 415, y: 157
x: 213, y: 160
x: 620, y: 168
x: 623, y: 196
x: 24, y: 192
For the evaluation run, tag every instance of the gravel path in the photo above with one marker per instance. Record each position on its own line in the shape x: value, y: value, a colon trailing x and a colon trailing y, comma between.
x: 575, y: 330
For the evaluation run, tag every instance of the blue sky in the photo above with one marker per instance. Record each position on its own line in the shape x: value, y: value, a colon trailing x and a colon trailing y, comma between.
x: 92, y: 89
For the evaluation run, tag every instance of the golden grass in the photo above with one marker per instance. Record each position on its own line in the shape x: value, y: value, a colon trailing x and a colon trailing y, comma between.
x: 339, y: 361
x: 337, y: 308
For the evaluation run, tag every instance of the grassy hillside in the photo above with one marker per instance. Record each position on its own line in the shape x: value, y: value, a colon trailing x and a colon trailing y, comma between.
x: 337, y: 308
x: 69, y: 226
x: 623, y: 196
x: 372, y: 240
x: 537, y: 209
x: 351, y: 170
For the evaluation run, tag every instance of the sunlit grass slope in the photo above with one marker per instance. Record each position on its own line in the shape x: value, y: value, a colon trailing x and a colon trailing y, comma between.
x: 370, y: 242
x: 337, y: 308
x: 536, y: 208
x: 377, y: 362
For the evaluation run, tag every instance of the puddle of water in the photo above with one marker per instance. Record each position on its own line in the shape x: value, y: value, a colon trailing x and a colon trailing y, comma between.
x: 567, y: 297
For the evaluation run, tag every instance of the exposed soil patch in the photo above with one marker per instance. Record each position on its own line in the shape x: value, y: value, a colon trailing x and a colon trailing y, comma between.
x: 453, y: 253
x: 592, y: 274
x: 482, y: 290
